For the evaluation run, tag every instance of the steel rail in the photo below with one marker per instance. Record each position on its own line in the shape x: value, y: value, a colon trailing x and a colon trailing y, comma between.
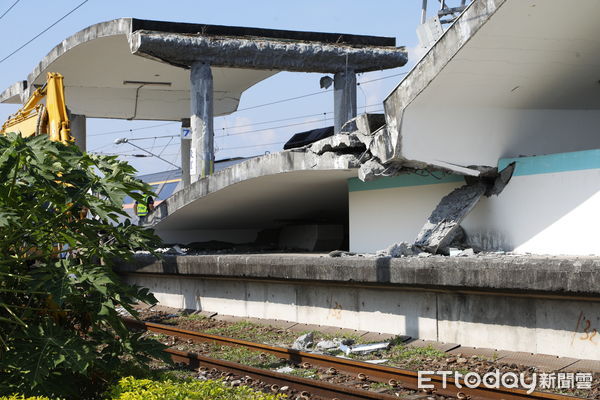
x: 391, y: 375
x: 310, y: 386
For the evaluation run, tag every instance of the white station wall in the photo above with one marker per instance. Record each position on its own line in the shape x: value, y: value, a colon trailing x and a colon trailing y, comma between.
x: 551, y: 206
x: 392, y: 210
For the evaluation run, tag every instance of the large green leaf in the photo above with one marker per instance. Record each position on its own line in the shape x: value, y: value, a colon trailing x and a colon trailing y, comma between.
x: 58, y: 318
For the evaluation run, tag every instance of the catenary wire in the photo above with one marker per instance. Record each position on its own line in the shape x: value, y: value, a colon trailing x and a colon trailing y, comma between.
x: 9, y: 8
x: 44, y: 31
x: 257, y: 106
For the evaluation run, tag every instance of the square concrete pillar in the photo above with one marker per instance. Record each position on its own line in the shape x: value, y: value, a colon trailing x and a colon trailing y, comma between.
x: 344, y: 98
x: 186, y: 145
x: 201, y: 122
x: 79, y: 130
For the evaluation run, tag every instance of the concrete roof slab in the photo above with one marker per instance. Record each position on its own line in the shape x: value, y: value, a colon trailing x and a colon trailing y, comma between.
x: 264, y: 54
x: 108, y: 74
x: 509, y: 77
x: 261, y: 193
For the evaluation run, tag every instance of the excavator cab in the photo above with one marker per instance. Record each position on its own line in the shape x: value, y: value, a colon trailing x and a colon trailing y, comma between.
x: 38, y: 118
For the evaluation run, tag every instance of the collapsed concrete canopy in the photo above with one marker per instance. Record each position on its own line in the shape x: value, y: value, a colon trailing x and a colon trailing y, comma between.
x: 270, y: 191
x: 111, y: 68
x: 508, y: 78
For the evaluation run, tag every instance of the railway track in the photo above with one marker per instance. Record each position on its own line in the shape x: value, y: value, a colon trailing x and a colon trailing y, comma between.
x: 390, y: 375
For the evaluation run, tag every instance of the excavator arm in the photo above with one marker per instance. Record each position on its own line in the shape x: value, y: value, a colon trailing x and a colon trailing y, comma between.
x: 36, y: 118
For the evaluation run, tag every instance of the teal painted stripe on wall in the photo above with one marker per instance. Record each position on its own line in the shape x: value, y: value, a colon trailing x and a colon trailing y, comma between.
x: 562, y: 162
x: 405, y: 180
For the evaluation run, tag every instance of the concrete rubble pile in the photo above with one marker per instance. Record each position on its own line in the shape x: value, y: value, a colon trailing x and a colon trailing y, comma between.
x: 363, y: 141
x: 359, y: 143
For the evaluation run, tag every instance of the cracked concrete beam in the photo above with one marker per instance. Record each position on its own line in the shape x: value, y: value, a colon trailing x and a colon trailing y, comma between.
x: 338, y: 143
x: 382, y: 146
x: 439, y: 229
x: 458, y: 169
x: 365, y: 123
x: 14, y: 93
x: 266, y: 54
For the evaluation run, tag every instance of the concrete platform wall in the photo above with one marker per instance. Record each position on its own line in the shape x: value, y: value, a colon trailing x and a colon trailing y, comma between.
x: 549, y: 326
x: 551, y: 206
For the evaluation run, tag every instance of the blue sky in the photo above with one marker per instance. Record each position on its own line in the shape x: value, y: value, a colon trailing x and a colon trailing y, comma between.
x: 397, y: 18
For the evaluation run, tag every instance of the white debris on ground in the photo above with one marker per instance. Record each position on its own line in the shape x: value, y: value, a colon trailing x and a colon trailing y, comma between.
x: 123, y: 312
x: 284, y: 370
x: 304, y: 342
x: 364, y: 348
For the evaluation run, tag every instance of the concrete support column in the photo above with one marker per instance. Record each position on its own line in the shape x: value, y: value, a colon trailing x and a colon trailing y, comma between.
x: 201, y: 121
x: 344, y: 98
x: 79, y: 130
x: 186, y: 145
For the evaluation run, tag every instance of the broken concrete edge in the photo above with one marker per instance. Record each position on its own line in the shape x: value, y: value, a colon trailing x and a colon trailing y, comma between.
x: 432, y: 63
x: 444, y: 222
x: 264, y: 54
x: 240, y: 31
x: 270, y: 164
x: 511, y: 275
x: 440, y: 228
x: 13, y: 93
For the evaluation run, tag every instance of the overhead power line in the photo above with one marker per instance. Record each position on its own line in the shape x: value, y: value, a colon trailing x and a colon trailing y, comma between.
x: 316, y: 93
x: 285, y: 100
x: 44, y: 31
x: 281, y: 126
x: 254, y: 145
x: 132, y: 129
x: 277, y: 120
x: 257, y: 106
x: 382, y: 78
x: 274, y: 127
x: 153, y: 137
x: 9, y: 8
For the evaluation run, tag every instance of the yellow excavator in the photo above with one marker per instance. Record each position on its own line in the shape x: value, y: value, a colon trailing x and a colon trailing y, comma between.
x: 37, y: 118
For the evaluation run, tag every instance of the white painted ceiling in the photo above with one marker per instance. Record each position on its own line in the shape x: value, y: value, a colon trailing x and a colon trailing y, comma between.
x: 268, y: 201
x: 542, y: 54
x: 94, y: 74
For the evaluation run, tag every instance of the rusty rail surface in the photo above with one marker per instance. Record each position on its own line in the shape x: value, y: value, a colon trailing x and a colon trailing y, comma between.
x: 310, y: 386
x: 405, y: 378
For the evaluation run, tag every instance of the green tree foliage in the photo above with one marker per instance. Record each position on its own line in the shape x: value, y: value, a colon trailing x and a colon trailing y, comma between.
x: 60, y: 333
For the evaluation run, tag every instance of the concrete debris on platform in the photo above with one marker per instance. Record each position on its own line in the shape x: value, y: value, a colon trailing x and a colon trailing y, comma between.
x: 442, y: 232
x: 338, y: 143
x: 341, y: 253
x: 402, y: 249
x: 174, y: 250
x: 445, y: 219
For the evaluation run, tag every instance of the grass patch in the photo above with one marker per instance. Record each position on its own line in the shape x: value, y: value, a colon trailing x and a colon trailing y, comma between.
x: 413, y: 356
x: 309, y: 373
x: 193, y: 317
x: 380, y: 385
x: 245, y: 356
x: 252, y: 332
